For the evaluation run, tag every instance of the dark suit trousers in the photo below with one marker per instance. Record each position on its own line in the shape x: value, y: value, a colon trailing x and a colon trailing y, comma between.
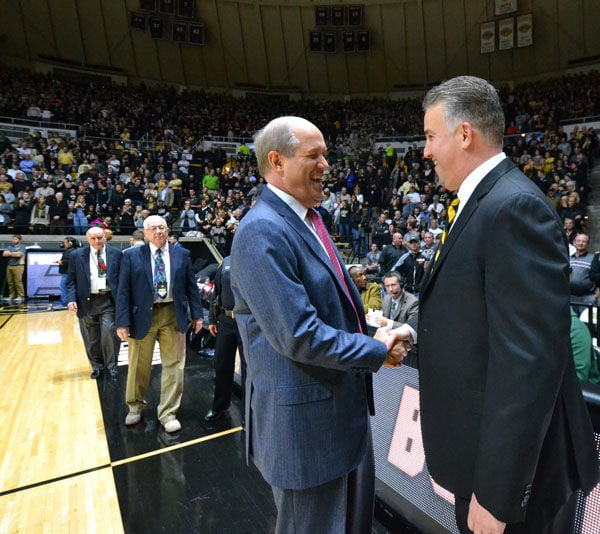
x: 562, y: 522
x: 342, y: 506
x: 227, y: 342
x: 98, y: 332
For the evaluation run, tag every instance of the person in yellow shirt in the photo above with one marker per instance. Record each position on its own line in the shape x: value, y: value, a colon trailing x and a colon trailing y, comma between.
x: 370, y: 292
x: 65, y: 156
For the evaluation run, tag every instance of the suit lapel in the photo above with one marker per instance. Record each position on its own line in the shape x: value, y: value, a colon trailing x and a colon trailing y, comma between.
x: 386, y: 306
x: 174, y: 265
x: 146, y: 265
x: 300, y: 228
x: 400, y: 304
x: 313, y: 243
x: 467, y: 212
x: 112, y: 260
x: 86, y: 262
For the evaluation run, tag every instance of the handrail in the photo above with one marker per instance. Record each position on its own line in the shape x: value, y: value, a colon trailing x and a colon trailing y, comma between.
x: 46, y: 125
x: 580, y: 120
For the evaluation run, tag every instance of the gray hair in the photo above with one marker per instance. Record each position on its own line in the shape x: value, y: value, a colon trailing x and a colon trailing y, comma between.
x: 277, y: 135
x: 469, y: 99
x: 355, y: 268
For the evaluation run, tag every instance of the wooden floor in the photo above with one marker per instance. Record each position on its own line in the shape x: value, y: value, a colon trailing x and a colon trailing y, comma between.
x: 68, y: 463
x: 55, y: 472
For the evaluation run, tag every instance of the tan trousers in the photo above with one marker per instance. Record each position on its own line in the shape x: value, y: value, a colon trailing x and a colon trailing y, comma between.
x: 14, y: 274
x: 172, y: 355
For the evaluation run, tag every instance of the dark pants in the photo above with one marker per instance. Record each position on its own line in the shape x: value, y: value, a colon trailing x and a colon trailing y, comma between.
x: 226, y: 344
x: 58, y: 227
x: 98, y: 332
x: 342, y: 506
x: 561, y: 523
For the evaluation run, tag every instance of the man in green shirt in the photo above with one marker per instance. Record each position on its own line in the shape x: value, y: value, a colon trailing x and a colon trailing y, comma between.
x: 211, y: 182
x: 14, y: 271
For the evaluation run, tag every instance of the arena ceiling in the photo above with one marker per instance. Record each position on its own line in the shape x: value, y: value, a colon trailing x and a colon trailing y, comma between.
x: 266, y: 45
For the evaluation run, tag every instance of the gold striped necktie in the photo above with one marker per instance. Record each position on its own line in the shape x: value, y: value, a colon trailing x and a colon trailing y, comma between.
x: 452, y: 210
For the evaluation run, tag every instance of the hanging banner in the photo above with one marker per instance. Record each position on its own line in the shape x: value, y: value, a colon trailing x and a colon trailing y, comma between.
x: 488, y: 37
x: 506, y: 34
x: 505, y: 6
x: 525, y: 30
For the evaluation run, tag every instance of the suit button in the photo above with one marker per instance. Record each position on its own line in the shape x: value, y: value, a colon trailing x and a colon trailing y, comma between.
x: 526, y: 495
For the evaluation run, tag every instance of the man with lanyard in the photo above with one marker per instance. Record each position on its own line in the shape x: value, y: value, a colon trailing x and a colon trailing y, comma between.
x: 156, y: 287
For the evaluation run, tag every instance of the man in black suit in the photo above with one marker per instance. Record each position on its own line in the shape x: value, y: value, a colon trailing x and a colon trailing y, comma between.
x: 222, y: 325
x: 504, y: 424
x: 91, y: 284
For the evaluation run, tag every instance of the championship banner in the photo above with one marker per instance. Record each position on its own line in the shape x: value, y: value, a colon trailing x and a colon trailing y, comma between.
x: 506, y: 34
x: 505, y: 6
x: 488, y: 37
x: 525, y: 30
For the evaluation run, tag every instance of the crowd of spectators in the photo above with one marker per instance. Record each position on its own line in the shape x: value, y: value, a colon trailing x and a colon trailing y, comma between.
x: 60, y: 184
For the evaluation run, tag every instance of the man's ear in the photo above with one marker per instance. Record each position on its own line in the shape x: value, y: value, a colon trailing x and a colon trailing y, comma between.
x: 466, y: 132
x: 275, y: 160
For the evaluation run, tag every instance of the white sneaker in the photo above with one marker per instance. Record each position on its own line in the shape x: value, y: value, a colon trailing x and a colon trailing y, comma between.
x: 172, y: 425
x: 133, y: 418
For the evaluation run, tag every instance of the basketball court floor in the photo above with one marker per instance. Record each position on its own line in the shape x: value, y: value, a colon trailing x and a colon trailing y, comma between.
x: 69, y: 464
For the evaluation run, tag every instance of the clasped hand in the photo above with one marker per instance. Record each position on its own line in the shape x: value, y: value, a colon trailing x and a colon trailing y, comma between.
x: 398, y: 343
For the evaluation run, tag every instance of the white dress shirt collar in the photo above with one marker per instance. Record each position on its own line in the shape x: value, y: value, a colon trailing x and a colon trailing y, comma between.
x: 299, y: 210
x: 474, y: 179
x: 295, y: 206
x: 154, y: 248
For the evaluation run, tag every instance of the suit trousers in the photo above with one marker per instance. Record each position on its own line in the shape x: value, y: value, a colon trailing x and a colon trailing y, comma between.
x: 344, y: 505
x: 562, y: 522
x: 98, y: 332
x: 172, y: 345
x: 227, y: 343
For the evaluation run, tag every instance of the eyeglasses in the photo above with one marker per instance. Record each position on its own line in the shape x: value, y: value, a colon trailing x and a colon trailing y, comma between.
x: 156, y: 229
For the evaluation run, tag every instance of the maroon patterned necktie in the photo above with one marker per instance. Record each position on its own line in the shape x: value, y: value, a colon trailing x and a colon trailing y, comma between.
x: 324, y: 237
x: 101, y: 271
x: 101, y: 266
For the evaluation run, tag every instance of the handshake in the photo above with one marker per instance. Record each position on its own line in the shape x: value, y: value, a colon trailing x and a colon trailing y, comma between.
x: 398, y: 342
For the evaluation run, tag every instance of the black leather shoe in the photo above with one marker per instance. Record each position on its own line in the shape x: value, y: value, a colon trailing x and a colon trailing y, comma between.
x: 113, y: 372
x: 96, y: 373
x: 213, y: 416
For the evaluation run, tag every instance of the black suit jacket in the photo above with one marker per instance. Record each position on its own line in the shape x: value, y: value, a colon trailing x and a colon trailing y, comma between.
x: 78, y: 278
x: 502, y: 411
